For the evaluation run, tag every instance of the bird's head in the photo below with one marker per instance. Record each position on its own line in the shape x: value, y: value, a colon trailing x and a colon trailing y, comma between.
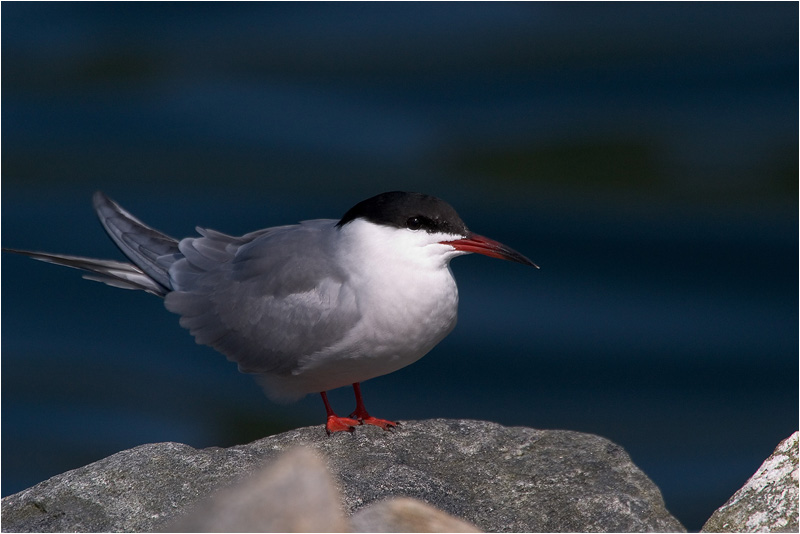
x: 415, y: 224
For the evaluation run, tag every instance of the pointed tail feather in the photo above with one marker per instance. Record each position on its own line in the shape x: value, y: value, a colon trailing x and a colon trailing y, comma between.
x: 150, y: 250
x: 113, y: 273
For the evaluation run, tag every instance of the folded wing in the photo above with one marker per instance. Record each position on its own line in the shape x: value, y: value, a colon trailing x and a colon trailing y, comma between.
x: 266, y: 299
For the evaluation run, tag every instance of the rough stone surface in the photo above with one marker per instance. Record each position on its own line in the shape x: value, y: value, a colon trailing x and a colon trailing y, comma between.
x: 768, y: 502
x: 498, y: 478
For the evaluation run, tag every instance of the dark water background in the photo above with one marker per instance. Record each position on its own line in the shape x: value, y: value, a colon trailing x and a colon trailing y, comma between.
x: 645, y: 155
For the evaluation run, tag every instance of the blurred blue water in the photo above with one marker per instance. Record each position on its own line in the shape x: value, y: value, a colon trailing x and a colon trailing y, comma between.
x: 644, y: 155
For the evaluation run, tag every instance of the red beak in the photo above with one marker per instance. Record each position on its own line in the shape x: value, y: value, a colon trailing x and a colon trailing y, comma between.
x: 488, y: 247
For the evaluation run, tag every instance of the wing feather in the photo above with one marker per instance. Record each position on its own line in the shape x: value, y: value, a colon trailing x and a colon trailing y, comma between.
x: 266, y: 299
x: 110, y: 272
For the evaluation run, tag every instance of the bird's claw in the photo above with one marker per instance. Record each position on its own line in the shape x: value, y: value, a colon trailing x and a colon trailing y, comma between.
x: 380, y: 423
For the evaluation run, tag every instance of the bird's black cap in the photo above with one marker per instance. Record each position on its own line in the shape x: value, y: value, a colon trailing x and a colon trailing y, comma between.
x: 408, y: 210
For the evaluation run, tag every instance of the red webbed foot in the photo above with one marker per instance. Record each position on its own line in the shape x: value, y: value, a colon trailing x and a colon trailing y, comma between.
x: 367, y: 419
x: 336, y: 423
x: 364, y: 417
x: 340, y: 424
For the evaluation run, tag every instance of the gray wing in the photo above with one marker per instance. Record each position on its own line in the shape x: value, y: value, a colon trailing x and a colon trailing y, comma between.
x: 264, y: 299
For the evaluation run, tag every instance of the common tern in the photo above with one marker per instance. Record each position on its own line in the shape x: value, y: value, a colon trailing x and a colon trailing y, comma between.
x: 307, y: 307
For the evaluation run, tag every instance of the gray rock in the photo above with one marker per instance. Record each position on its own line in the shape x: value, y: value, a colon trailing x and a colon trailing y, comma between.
x: 768, y: 502
x: 498, y: 478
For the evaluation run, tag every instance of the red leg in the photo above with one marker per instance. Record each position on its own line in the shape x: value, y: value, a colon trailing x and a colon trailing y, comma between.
x: 364, y: 417
x: 336, y: 423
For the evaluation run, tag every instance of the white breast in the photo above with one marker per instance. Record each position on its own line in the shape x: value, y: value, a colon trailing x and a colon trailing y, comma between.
x: 407, y: 299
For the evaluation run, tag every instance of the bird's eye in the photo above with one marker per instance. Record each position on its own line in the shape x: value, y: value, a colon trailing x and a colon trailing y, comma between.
x: 414, y: 223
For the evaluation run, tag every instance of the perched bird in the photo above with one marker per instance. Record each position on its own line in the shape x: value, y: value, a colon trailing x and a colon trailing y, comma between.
x: 308, y: 307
